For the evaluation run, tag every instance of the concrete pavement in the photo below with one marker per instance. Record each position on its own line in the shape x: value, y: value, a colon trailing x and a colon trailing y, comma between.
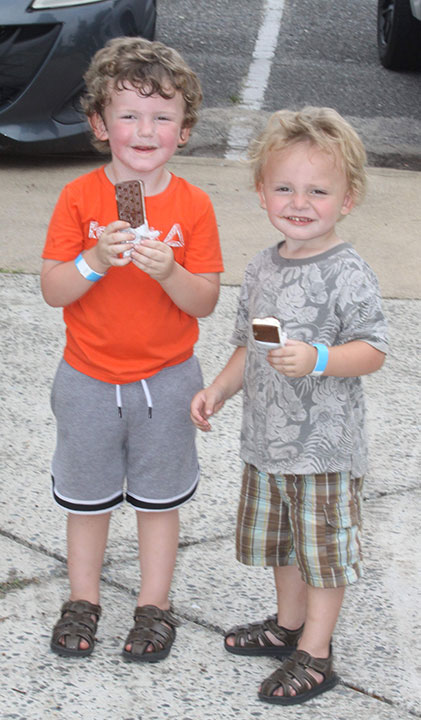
x: 378, y: 638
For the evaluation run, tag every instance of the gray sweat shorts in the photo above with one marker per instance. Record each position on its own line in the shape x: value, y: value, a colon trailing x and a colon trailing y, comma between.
x: 133, y: 441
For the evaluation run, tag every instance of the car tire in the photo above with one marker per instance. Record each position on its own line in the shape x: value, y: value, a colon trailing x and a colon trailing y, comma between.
x: 398, y: 35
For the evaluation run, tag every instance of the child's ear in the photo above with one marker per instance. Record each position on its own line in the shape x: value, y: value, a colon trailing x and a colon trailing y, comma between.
x: 98, y: 126
x: 348, y: 203
x: 184, y: 136
x: 261, y: 195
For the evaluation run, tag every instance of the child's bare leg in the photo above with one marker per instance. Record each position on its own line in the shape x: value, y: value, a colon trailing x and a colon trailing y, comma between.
x: 158, y: 544
x: 322, y: 612
x: 291, y: 593
x: 323, y: 608
x: 86, y: 542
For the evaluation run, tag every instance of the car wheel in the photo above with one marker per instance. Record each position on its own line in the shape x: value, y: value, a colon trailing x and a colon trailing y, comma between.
x: 398, y: 35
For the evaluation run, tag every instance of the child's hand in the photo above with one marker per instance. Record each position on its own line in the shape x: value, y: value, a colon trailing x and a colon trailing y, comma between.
x: 112, y: 244
x: 205, y: 403
x: 295, y: 359
x: 154, y: 258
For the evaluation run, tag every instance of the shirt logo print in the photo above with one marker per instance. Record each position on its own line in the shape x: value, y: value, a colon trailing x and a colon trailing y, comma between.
x: 175, y: 237
x: 95, y: 229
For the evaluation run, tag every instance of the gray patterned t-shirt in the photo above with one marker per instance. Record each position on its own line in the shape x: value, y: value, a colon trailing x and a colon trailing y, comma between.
x: 310, y: 424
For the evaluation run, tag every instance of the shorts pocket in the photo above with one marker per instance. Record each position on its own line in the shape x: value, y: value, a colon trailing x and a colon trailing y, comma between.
x: 342, y: 518
x: 346, y: 514
x: 53, y: 392
x: 342, y: 538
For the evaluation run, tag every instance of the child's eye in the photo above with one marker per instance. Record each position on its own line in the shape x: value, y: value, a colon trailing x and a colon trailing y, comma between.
x: 283, y: 188
x: 317, y: 191
x: 163, y: 118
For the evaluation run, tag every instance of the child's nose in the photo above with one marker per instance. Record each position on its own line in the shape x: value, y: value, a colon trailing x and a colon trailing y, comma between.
x: 145, y: 126
x: 299, y: 200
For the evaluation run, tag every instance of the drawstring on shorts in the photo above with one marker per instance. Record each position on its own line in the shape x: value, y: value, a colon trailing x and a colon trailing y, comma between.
x: 118, y: 399
x: 147, y: 396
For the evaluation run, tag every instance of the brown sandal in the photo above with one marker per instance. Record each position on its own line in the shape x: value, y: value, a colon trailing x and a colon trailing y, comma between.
x: 293, y: 674
x: 75, y: 624
x: 152, y: 626
x: 252, y: 639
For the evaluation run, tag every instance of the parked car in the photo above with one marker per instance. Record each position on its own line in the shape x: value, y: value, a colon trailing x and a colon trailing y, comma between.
x: 399, y: 34
x: 45, y: 48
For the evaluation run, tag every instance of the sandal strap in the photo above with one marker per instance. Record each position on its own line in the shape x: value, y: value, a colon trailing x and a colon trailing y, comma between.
x: 151, y: 612
x: 76, y: 624
x: 152, y: 626
x: 81, y: 606
x: 254, y: 635
x: 293, y: 673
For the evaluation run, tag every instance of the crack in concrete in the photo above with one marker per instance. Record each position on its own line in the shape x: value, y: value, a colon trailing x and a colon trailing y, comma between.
x: 392, y: 493
x: 381, y: 698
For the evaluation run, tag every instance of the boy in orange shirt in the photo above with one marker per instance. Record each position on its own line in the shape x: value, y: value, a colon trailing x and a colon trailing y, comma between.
x: 122, y: 391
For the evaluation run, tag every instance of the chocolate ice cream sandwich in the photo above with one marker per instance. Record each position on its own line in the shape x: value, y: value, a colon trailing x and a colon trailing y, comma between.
x: 268, y: 332
x: 131, y: 202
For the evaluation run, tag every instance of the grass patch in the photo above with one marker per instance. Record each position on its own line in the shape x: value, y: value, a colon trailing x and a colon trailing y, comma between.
x: 16, y: 584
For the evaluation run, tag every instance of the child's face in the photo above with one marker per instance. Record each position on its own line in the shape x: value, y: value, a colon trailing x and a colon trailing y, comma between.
x: 143, y: 132
x: 304, y: 192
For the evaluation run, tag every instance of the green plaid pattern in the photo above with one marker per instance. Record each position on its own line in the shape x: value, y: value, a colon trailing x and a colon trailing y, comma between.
x: 313, y: 521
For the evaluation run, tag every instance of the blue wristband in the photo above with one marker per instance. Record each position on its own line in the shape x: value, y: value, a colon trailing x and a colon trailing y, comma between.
x: 87, y: 271
x: 322, y: 358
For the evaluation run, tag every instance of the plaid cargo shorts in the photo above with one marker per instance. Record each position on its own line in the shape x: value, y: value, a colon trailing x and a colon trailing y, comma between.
x: 312, y: 521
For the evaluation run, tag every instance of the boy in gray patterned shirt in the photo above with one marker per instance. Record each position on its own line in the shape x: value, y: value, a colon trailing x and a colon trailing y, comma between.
x: 302, y: 440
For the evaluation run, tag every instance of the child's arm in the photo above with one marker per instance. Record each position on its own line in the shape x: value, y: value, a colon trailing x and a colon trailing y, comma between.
x: 207, y: 402
x: 195, y: 294
x: 62, y: 283
x: 351, y: 359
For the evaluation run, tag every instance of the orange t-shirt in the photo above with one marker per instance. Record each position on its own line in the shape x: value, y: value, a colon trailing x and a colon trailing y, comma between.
x: 126, y: 327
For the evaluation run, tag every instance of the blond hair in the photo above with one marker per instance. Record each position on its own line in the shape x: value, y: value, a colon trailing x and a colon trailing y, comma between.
x: 151, y: 67
x: 322, y: 127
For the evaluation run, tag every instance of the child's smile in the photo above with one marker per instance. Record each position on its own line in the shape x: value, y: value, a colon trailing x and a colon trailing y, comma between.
x: 305, y: 192
x: 299, y: 220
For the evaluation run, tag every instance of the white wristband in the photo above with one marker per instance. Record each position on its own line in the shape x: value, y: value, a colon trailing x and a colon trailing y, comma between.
x: 322, y: 359
x: 87, y: 271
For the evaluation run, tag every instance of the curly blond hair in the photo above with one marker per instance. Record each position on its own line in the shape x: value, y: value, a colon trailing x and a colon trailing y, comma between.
x: 324, y: 128
x: 151, y: 67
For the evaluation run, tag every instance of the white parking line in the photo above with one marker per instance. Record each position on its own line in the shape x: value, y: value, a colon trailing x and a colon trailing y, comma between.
x: 254, y: 88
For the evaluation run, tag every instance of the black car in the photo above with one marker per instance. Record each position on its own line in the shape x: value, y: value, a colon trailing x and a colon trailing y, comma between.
x: 45, y: 47
x: 399, y: 34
